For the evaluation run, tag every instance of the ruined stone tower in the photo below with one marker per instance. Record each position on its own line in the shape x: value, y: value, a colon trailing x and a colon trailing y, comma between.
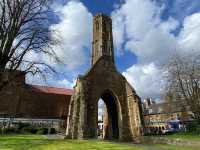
x: 102, y: 44
x: 104, y: 81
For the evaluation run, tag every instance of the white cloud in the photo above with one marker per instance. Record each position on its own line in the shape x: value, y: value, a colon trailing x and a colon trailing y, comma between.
x: 146, y: 35
x: 156, y: 47
x: 137, y: 27
x: 170, y: 25
x: 50, y: 81
x: 118, y: 31
x: 133, y: 19
x: 75, y: 30
x: 146, y: 79
x: 189, y: 36
x: 64, y: 83
x: 182, y: 8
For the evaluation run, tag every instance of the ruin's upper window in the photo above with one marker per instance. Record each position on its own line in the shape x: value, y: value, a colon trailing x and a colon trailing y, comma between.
x: 97, y: 26
x: 104, y: 27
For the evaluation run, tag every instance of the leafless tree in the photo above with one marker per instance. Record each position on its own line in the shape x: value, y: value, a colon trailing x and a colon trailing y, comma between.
x: 24, y: 28
x: 183, y: 82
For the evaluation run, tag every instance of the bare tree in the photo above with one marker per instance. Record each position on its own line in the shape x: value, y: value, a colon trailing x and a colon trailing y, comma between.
x: 24, y: 28
x: 184, y: 81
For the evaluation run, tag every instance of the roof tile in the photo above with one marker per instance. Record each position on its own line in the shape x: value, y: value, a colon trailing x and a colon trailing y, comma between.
x: 51, y: 90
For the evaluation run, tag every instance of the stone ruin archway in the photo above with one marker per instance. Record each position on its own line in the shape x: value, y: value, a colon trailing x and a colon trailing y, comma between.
x: 110, y: 117
x: 103, y: 80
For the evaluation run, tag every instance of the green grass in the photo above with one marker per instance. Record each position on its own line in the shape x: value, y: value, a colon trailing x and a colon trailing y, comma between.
x: 183, y: 136
x: 38, y: 142
x: 171, y: 147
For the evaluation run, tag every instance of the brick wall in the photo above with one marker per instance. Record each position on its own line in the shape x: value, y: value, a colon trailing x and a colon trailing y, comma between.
x: 20, y: 101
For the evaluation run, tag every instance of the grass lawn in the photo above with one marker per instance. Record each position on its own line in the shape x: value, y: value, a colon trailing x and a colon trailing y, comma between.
x: 38, y: 142
x: 183, y: 136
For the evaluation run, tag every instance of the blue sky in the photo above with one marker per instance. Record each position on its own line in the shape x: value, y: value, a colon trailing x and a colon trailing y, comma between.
x: 146, y: 34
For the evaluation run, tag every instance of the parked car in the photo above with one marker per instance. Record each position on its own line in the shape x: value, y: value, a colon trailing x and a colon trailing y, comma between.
x: 173, y: 126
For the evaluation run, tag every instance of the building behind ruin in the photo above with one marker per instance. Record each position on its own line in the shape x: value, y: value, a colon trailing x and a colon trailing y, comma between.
x: 38, y: 105
x: 157, y: 116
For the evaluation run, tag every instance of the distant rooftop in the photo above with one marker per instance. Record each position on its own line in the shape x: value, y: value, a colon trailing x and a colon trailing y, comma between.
x: 51, y: 90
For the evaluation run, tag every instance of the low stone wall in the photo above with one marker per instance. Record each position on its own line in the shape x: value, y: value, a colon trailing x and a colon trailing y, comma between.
x: 164, y: 140
x: 58, y: 124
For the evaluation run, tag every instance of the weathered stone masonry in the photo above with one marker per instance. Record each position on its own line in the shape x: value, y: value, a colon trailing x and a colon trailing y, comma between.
x: 104, y: 81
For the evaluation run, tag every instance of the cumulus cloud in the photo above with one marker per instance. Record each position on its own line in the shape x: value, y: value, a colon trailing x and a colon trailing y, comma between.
x: 146, y: 35
x: 146, y: 79
x: 138, y: 27
x: 189, y: 38
x: 129, y: 22
x: 75, y: 30
x: 182, y: 8
x: 118, y: 33
x: 50, y: 81
x: 63, y: 83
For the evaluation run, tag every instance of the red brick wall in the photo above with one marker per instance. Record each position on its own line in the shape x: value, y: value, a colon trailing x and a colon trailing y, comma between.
x: 26, y: 103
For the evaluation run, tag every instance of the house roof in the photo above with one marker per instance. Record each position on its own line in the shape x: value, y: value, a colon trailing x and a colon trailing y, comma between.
x: 51, y: 90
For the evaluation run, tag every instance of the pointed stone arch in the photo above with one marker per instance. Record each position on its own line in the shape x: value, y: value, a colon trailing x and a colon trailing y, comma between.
x: 89, y: 88
x: 111, y: 115
x: 104, y: 77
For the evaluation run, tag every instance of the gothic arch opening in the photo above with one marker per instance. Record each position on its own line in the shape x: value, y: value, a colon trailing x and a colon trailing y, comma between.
x: 122, y: 103
x: 109, y: 112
